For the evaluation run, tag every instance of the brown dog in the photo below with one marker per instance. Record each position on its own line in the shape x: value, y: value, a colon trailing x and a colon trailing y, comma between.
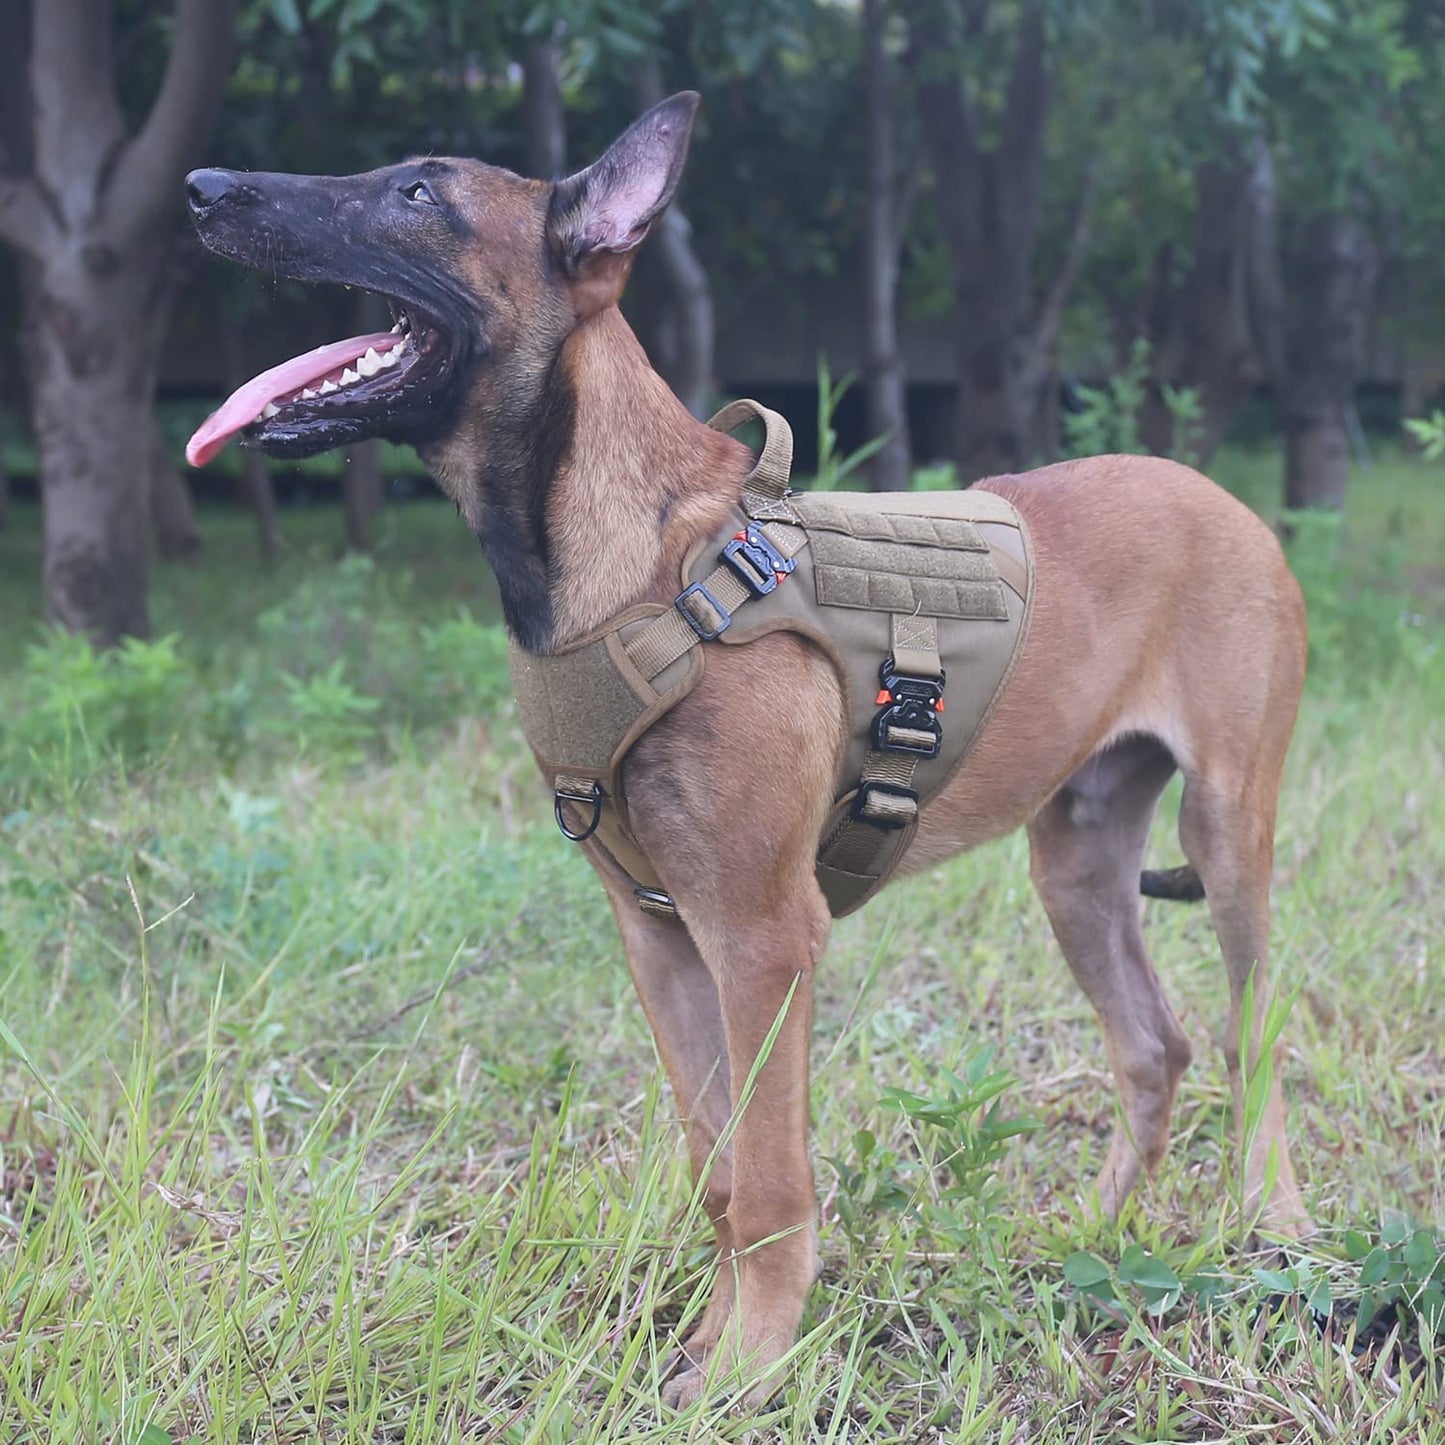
x: 1166, y: 633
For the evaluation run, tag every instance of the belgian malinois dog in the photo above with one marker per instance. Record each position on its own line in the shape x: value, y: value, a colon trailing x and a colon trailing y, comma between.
x: 1167, y: 632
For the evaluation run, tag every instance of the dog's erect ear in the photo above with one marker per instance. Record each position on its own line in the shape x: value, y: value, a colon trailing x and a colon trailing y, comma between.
x: 600, y: 216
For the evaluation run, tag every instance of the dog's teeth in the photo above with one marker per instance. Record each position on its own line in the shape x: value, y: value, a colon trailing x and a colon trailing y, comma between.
x: 268, y: 411
x: 398, y: 348
x: 308, y: 395
x: 387, y: 358
x: 326, y: 388
x: 348, y: 376
x: 369, y: 364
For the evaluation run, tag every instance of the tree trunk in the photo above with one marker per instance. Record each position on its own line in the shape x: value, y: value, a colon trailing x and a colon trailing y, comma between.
x: 686, y: 362
x: 361, y: 488
x: 173, y: 511
x: 1202, y: 334
x: 1332, y: 283
x: 988, y: 203
x: 256, y: 485
x: 883, y: 377
x: 544, y: 122
x: 91, y: 343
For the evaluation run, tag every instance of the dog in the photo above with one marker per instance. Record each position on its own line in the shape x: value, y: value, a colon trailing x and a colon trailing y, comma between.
x: 1167, y: 633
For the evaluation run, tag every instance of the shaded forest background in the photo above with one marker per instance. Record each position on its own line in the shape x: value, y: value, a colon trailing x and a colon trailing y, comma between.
x: 1226, y: 213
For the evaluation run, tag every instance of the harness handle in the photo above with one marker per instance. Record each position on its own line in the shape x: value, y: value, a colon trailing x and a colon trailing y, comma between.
x: 768, y: 480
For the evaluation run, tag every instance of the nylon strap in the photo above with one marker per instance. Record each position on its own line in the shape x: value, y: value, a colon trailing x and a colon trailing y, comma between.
x: 863, y: 844
x: 711, y: 604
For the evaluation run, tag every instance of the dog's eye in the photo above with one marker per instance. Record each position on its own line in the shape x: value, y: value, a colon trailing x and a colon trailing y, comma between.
x: 417, y: 191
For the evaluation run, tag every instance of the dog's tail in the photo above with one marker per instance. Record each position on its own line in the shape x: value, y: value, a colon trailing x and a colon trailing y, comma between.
x: 1178, y: 885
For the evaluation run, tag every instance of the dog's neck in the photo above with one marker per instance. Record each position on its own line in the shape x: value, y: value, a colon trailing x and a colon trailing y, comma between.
x: 591, y: 504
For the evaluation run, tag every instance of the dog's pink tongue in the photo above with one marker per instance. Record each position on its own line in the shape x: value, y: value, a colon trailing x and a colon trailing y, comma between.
x: 245, y: 404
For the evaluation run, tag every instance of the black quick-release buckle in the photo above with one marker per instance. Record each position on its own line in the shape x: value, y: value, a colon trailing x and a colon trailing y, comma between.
x: 562, y: 794
x: 760, y: 566
x: 694, y: 620
x: 909, y: 721
x: 869, y: 807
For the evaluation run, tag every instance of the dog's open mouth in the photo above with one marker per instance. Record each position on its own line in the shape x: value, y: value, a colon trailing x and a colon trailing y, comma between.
x: 335, y: 393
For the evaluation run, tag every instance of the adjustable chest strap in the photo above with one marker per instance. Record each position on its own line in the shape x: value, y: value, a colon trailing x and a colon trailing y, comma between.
x: 753, y: 564
x: 866, y: 840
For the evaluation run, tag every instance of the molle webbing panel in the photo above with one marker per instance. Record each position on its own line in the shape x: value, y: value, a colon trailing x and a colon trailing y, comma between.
x: 914, y: 578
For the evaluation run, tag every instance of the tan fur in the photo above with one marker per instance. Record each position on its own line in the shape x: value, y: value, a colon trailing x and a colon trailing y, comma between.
x: 1167, y: 631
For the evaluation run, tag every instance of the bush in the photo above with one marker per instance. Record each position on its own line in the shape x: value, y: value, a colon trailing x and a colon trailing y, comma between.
x: 1362, y: 626
x: 75, y: 709
x: 336, y: 671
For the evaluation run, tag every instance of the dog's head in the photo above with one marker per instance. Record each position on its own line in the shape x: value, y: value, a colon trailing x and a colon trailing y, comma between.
x: 486, y: 275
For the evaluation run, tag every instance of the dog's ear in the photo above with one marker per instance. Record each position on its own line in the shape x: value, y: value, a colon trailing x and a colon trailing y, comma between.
x: 599, y: 216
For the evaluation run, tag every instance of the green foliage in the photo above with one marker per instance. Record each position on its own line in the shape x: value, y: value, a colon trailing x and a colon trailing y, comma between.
x: 1364, y: 625
x: 73, y: 710
x: 871, y: 1184
x: 834, y: 469
x: 1107, y: 418
x: 1429, y: 434
x: 969, y: 1131
x: 336, y: 670
x: 1404, y: 1270
x: 326, y: 715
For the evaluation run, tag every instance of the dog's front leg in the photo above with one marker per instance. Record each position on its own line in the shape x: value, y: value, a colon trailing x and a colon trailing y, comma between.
x: 758, y: 1186
x: 763, y: 966
x: 727, y: 798
x: 681, y: 1003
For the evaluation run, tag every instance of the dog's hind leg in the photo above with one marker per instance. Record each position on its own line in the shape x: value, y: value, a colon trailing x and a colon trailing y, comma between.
x: 1226, y: 825
x: 1085, y: 846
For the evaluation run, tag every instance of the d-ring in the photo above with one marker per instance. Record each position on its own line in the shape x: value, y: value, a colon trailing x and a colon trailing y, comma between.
x: 567, y: 795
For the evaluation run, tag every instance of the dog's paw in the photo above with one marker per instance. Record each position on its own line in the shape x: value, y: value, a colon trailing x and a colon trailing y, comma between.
x: 685, y: 1389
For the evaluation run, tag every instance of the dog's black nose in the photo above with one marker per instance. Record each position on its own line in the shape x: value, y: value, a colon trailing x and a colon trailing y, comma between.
x: 205, y: 189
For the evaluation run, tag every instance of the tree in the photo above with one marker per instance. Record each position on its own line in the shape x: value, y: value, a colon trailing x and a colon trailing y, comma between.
x: 90, y: 203
x: 544, y: 121
x: 886, y: 209
x: 988, y: 167
x: 1335, y: 107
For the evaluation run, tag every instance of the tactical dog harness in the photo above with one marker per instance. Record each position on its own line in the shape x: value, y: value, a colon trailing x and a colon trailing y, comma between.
x: 920, y: 601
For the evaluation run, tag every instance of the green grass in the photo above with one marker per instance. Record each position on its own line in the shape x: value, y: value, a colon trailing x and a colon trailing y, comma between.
x: 326, y: 1113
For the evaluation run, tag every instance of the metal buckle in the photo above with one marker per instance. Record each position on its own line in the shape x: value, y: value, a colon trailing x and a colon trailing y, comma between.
x: 692, y: 621
x: 655, y: 902
x: 864, y: 794
x: 760, y: 566
x: 913, y: 704
x: 566, y: 795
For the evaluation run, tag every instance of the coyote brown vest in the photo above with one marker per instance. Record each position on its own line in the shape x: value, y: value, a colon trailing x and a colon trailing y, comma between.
x: 919, y: 599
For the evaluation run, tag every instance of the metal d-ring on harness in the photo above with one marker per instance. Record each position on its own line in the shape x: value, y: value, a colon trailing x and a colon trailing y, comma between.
x: 586, y: 791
